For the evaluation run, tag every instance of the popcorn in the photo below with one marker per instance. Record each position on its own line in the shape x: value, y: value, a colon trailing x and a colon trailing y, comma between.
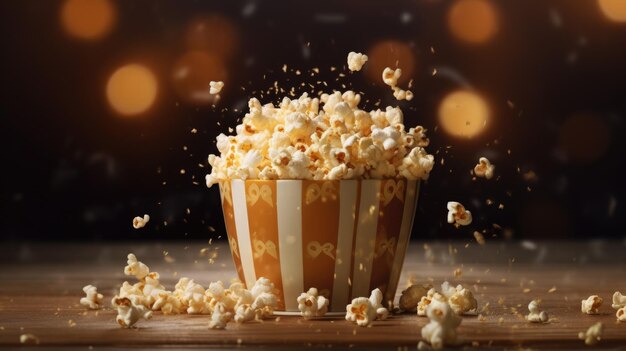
x: 391, y: 76
x: 593, y: 335
x: 93, y: 298
x: 619, y: 300
x: 361, y: 312
x: 244, y: 313
x: 324, y: 138
x: 484, y: 168
x: 460, y: 299
x: 425, y: 301
x: 441, y: 328
x: 591, y: 305
x: 311, y: 304
x: 139, y: 222
x: 621, y: 314
x: 129, y: 311
x: 29, y: 339
x: 136, y: 268
x: 411, y: 296
x: 458, y: 215
x: 376, y: 299
x: 167, y: 303
x: 220, y: 317
x: 401, y: 94
x: 356, y: 60
x: 216, y: 87
x: 536, y: 316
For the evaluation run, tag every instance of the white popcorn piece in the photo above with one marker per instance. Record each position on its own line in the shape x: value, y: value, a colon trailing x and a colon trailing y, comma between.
x: 535, y: 315
x: 426, y: 300
x: 458, y: 215
x: 411, y: 296
x: 484, y: 168
x: 360, y: 311
x: 29, y: 339
x: 593, y: 335
x: 619, y: 300
x: 129, y: 311
x: 140, y: 222
x: 93, y: 299
x: 244, y: 313
x: 460, y: 299
x: 220, y: 317
x: 167, y: 303
x: 136, y: 268
x: 591, y: 305
x: 401, y: 94
x: 356, y: 60
x: 441, y: 328
x: 311, y: 304
x: 621, y: 314
x: 376, y: 299
x: 391, y: 76
x: 215, y: 87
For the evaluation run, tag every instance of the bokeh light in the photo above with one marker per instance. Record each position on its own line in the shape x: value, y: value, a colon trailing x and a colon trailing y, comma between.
x: 213, y: 33
x: 615, y: 10
x: 88, y: 19
x: 390, y: 53
x: 473, y: 21
x: 192, y: 74
x: 584, y: 137
x: 132, y: 89
x: 463, y: 113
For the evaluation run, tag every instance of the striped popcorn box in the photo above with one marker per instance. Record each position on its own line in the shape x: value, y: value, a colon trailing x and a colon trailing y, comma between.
x: 344, y: 237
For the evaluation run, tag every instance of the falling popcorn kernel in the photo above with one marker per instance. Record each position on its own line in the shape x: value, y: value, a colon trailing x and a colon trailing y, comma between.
x: 458, y: 215
x: 356, y: 60
x: 484, y: 168
x: 480, y: 239
x: 139, y: 222
x: 215, y: 87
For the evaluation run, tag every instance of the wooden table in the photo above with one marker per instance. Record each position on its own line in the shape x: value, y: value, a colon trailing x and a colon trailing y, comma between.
x: 40, y: 286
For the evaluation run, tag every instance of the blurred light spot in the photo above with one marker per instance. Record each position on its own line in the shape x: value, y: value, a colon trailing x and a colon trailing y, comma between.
x: 614, y: 10
x: 390, y: 53
x: 463, y: 113
x: 473, y: 21
x: 213, y: 33
x: 192, y: 74
x: 132, y: 89
x: 88, y: 19
x: 584, y: 137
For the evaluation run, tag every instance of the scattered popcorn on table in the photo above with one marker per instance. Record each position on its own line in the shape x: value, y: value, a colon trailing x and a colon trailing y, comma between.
x: 136, y: 268
x: 441, y: 328
x: 167, y: 303
x: 411, y: 296
x: 593, y: 335
x: 215, y: 87
x: 129, y: 311
x: 356, y: 60
x: 535, y: 315
x: 93, y: 298
x: 29, y: 339
x: 361, y: 312
x: 621, y: 314
x: 244, y: 313
x: 139, y: 222
x: 376, y: 299
x: 460, y: 299
x: 484, y: 168
x: 591, y: 305
x: 311, y: 304
x: 619, y: 300
x: 425, y: 301
x: 220, y: 317
x: 458, y: 215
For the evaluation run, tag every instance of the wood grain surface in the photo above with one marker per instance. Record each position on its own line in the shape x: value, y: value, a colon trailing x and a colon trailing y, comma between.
x: 40, y: 286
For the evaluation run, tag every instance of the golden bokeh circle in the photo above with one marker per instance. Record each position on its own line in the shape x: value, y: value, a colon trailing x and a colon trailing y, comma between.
x: 584, y: 137
x: 473, y: 21
x: 614, y: 10
x: 88, y: 19
x: 192, y: 73
x: 463, y: 113
x: 132, y: 89
x: 390, y: 53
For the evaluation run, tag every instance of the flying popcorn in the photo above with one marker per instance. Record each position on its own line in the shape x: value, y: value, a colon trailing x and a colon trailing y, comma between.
x: 391, y: 76
x: 136, y: 268
x: 129, y: 312
x: 215, y: 87
x: 441, y: 328
x: 140, y: 222
x: 593, y: 335
x: 411, y: 296
x: 535, y: 315
x: 356, y: 60
x: 458, y: 215
x: 591, y: 305
x: 93, y: 299
x: 311, y: 304
x: 484, y: 168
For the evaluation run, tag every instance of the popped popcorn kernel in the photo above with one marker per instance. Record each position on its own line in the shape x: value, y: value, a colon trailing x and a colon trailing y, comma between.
x: 391, y: 76
x: 411, y: 296
x: 621, y: 314
x: 220, y: 317
x: 167, y: 303
x: 535, y: 315
x: 591, y: 305
x: 593, y: 335
x: 425, y: 301
x: 441, y: 328
x: 93, y: 299
x: 458, y: 215
x: 311, y: 304
x: 136, y: 268
x: 140, y: 222
x: 484, y: 168
x: 129, y: 311
x: 29, y: 339
x: 460, y: 299
x: 376, y: 299
x: 360, y: 311
x: 356, y: 60
x: 619, y: 300
x: 215, y: 87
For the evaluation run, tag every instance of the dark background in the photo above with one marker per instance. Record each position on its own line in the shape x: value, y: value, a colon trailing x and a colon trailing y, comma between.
x: 74, y: 169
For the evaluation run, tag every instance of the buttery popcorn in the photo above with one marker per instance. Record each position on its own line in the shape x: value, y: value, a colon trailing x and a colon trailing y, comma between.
x: 376, y: 299
x: 619, y: 300
x: 411, y: 296
x: 140, y: 222
x: 167, y: 303
x: 136, y: 268
x: 621, y: 314
x: 484, y: 168
x: 460, y: 299
x: 356, y: 60
x: 591, y: 305
x: 320, y: 138
x: 129, y: 311
x: 390, y: 77
x: 458, y: 215
x: 220, y: 317
x: 360, y: 311
x: 311, y: 304
x: 215, y: 87
x: 442, y: 325
x: 593, y: 335
x: 535, y: 315
x: 93, y: 299
x: 426, y: 300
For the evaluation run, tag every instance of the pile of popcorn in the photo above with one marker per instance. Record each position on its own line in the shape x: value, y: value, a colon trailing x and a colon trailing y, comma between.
x: 326, y: 138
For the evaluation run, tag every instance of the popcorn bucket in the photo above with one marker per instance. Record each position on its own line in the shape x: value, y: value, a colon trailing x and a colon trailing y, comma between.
x: 343, y: 237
